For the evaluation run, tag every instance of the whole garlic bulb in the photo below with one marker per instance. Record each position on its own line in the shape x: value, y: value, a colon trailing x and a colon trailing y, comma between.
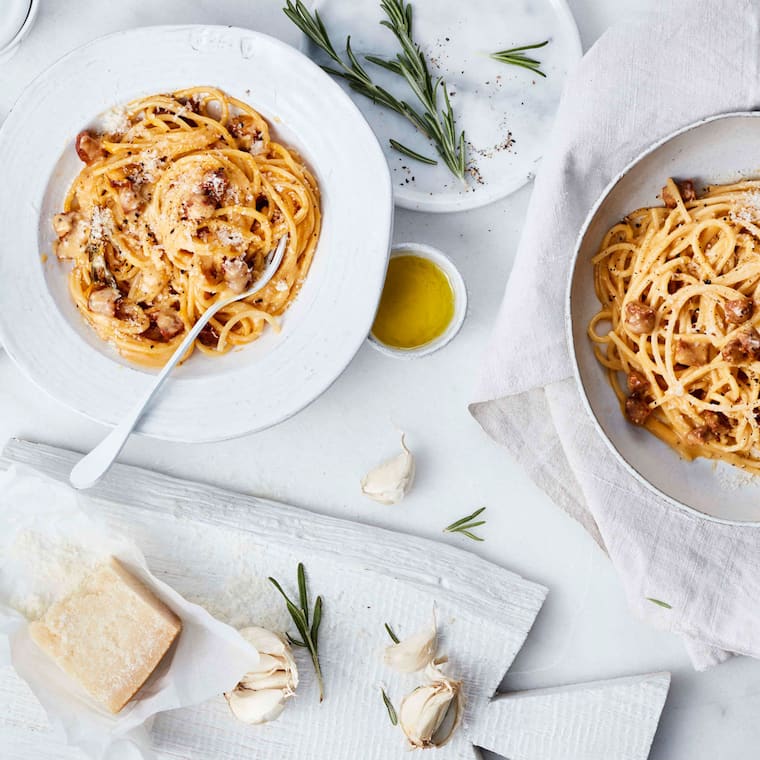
x: 413, y: 653
x: 390, y: 481
x: 430, y: 714
x: 261, y: 694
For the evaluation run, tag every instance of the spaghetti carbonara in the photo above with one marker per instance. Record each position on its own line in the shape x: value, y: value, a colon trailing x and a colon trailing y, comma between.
x: 181, y: 200
x: 679, y: 287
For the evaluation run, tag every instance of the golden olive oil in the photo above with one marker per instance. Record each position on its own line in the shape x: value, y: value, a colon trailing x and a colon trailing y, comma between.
x: 417, y: 304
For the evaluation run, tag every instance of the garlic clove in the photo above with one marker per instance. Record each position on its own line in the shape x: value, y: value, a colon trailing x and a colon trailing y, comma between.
x: 389, y: 482
x: 263, y: 640
x: 413, y: 653
x: 278, y: 679
x: 430, y: 714
x: 261, y: 694
x: 268, y: 663
x: 256, y: 707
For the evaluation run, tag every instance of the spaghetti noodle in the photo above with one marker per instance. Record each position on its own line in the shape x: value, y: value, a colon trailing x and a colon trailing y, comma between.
x: 679, y: 287
x: 181, y: 200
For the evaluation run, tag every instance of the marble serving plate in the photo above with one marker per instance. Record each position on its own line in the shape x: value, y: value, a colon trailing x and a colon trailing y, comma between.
x: 507, y: 112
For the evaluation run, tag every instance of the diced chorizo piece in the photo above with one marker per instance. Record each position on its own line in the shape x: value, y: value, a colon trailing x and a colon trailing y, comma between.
x: 215, y: 185
x: 738, y: 310
x: 716, y: 422
x: 193, y: 103
x: 209, y: 336
x: 732, y: 352
x: 639, y: 318
x: 637, y: 382
x: 691, y: 353
x: 668, y: 198
x: 750, y: 343
x: 243, y: 128
x: 686, y: 190
x: 133, y: 314
x: 237, y: 274
x: 699, y: 435
x: 743, y: 347
x: 88, y: 147
x: 169, y: 324
x: 104, y: 301
x: 637, y: 410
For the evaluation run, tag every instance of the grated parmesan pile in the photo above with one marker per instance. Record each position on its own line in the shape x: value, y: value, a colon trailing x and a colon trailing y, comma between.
x: 57, y: 567
x: 115, y: 121
x: 748, y: 214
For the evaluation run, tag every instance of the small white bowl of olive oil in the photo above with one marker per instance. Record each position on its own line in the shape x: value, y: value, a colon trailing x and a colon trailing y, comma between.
x: 423, y: 305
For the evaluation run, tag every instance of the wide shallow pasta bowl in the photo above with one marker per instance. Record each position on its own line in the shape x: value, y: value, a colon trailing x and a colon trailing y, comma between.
x: 255, y: 386
x: 715, y: 150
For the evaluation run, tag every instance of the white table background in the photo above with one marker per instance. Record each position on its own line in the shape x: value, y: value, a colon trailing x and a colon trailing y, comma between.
x: 585, y: 630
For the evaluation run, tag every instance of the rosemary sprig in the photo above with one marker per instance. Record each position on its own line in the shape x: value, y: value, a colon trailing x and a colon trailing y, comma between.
x: 309, y: 633
x: 659, y: 603
x: 396, y: 145
x: 411, y: 64
x: 393, y: 636
x: 516, y: 57
x: 466, y: 524
x: 390, y: 708
x: 439, y: 127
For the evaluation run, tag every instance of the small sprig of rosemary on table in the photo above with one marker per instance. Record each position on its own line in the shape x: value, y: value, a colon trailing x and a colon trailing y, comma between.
x: 659, y: 603
x: 434, y: 121
x: 390, y: 708
x: 300, y: 614
x: 466, y: 524
x: 393, y: 636
x: 516, y: 57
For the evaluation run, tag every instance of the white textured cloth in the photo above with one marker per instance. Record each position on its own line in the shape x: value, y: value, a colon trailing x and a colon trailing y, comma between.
x: 639, y: 82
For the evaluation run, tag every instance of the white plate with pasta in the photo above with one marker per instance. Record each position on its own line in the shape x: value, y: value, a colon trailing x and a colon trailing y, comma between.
x: 161, y: 187
x: 664, y: 317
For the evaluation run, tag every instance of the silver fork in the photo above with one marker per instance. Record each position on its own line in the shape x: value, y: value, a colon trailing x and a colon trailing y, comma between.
x: 91, y: 468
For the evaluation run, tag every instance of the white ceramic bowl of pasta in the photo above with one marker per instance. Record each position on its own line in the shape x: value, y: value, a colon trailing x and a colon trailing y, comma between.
x: 715, y: 150
x: 260, y: 384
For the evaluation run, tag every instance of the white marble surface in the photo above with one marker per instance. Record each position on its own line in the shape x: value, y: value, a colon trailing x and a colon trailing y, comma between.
x: 585, y: 630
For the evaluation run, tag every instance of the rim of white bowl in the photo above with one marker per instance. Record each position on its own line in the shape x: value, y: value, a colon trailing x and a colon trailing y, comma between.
x: 454, y: 276
x: 5, y: 52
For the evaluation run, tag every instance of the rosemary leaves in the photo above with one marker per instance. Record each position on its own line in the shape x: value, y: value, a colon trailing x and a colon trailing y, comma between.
x: 392, y: 716
x: 516, y: 57
x: 412, y: 65
x: 435, y: 119
x: 466, y: 524
x: 309, y: 632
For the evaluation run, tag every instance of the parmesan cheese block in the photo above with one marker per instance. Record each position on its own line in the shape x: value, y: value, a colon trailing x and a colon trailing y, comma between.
x: 109, y: 634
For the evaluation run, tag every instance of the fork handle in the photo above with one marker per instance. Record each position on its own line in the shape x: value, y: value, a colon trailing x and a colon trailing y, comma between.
x: 91, y: 468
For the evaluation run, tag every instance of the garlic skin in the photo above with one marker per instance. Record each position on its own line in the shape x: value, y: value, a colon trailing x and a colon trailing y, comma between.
x: 261, y: 694
x: 430, y: 714
x: 390, y: 481
x: 413, y: 653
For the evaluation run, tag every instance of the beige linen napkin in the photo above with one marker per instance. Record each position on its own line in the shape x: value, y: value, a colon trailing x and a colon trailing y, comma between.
x: 642, y: 80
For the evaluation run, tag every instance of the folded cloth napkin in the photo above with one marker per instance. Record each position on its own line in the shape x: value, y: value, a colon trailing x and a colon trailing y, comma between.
x: 643, y: 79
